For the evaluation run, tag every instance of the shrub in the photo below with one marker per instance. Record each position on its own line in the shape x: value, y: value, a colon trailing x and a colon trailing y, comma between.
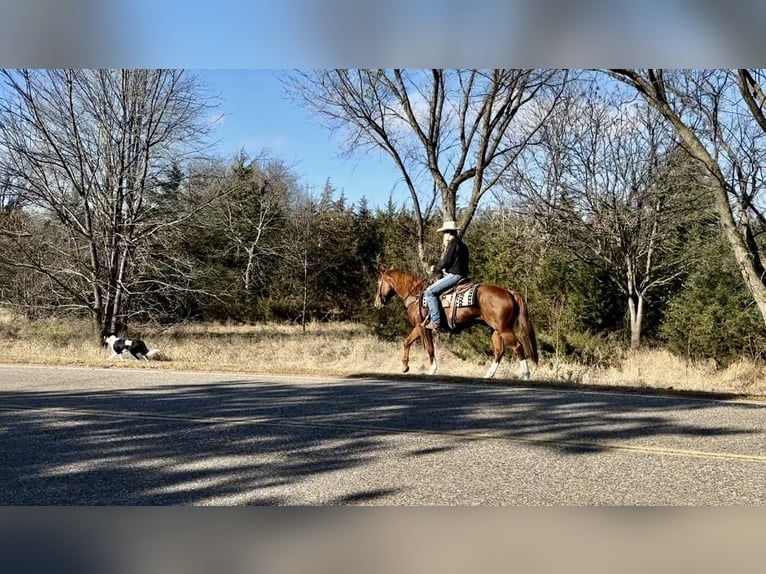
x: 474, y: 344
x: 10, y: 325
x: 389, y: 323
x: 714, y: 316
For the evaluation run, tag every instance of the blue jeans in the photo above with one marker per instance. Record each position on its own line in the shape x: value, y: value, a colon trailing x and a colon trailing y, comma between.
x: 436, y: 289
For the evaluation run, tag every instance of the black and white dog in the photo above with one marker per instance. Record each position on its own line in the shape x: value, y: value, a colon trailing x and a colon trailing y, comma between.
x: 135, y: 347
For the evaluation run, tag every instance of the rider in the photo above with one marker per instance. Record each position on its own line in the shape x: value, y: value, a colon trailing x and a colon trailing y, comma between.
x: 454, y: 264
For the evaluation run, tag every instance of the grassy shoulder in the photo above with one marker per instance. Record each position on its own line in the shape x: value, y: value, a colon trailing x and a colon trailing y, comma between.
x: 347, y: 349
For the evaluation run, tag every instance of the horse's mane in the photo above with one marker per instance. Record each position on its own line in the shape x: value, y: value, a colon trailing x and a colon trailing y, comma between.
x: 404, y: 279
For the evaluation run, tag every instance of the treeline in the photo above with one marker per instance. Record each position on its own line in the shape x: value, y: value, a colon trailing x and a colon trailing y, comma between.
x: 257, y: 246
x: 627, y: 221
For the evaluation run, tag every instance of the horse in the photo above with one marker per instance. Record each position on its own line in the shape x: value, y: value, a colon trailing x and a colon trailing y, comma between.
x: 499, y: 308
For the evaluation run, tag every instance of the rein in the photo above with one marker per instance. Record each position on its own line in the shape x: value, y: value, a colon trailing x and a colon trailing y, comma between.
x: 410, y: 293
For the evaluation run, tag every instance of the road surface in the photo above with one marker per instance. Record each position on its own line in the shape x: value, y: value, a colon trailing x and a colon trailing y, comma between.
x: 81, y: 436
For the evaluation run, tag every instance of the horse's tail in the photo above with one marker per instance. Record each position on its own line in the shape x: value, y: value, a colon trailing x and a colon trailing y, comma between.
x: 528, y: 335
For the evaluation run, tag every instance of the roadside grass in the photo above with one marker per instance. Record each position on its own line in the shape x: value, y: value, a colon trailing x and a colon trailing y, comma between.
x: 346, y: 349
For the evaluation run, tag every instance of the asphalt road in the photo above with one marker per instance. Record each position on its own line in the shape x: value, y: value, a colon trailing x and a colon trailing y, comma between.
x: 78, y: 436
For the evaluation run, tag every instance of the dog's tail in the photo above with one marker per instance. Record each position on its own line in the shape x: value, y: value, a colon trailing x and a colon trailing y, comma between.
x: 154, y: 355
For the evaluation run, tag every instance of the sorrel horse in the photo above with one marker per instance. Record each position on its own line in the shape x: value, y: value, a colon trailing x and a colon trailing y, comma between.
x: 499, y: 308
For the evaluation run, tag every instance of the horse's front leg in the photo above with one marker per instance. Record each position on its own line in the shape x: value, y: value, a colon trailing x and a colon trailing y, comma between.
x: 428, y: 345
x: 411, y: 338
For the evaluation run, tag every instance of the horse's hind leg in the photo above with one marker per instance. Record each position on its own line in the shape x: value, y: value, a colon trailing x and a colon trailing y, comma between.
x: 512, y: 342
x: 499, y: 346
x: 500, y: 341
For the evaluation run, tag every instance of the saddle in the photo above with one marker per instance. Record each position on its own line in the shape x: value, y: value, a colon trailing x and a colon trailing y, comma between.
x: 463, y: 294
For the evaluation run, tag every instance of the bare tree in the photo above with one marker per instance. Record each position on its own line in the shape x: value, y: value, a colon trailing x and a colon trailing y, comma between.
x: 11, y: 198
x: 454, y: 127
x: 85, y: 148
x: 250, y: 216
x: 719, y: 118
x: 609, y: 185
x: 302, y: 243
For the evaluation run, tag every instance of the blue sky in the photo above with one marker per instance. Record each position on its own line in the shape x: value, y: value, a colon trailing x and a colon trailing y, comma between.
x: 259, y: 117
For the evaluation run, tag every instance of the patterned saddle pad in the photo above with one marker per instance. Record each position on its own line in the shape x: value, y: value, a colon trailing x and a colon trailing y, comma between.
x: 465, y: 296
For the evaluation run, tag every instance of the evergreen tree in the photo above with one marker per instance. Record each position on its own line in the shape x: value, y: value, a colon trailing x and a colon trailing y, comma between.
x: 714, y: 316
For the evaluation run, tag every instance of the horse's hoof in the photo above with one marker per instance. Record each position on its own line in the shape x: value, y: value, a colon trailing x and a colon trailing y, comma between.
x: 405, y: 369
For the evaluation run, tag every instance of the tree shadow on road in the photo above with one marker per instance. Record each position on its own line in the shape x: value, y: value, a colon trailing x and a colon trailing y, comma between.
x: 242, y: 442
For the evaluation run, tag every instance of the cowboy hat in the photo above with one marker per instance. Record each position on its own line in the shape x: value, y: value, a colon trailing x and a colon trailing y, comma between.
x: 448, y: 226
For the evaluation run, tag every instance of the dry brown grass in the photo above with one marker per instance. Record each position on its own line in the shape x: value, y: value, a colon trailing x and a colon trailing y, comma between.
x: 659, y: 369
x: 342, y: 349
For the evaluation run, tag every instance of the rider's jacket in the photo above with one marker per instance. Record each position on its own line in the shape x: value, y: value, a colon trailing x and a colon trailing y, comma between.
x: 455, y: 259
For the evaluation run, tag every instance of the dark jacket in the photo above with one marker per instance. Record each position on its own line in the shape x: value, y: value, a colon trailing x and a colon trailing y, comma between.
x: 455, y: 259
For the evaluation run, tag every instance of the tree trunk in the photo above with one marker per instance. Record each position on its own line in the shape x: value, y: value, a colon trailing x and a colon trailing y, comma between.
x: 119, y: 292
x: 635, y: 303
x: 305, y: 289
x: 747, y: 267
x: 636, y: 310
x: 97, y: 316
x: 249, y: 268
x: 424, y: 265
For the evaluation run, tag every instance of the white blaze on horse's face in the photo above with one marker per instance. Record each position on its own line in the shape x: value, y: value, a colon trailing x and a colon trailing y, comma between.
x: 378, y: 296
x: 385, y: 291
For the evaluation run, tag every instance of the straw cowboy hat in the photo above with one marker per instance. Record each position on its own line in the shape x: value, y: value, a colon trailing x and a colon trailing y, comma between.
x: 448, y: 226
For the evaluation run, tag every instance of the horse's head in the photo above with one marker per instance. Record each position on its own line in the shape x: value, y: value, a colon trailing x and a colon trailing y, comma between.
x: 385, y: 290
